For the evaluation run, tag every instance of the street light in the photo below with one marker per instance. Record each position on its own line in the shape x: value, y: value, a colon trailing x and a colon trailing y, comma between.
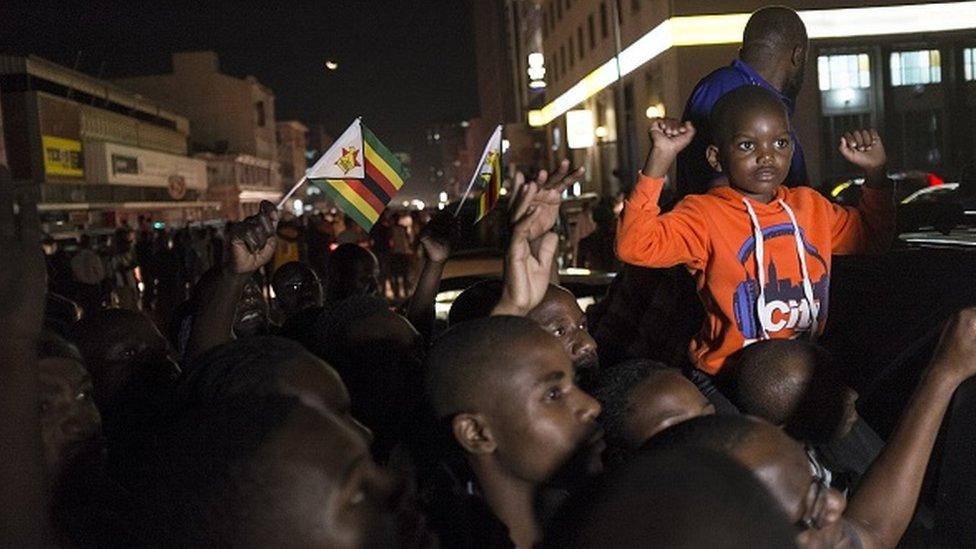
x: 655, y: 111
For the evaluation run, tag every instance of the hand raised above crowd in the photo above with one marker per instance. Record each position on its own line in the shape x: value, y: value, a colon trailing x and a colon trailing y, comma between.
x: 955, y: 355
x: 253, y: 240
x: 437, y: 236
x: 546, y: 199
x: 526, y: 276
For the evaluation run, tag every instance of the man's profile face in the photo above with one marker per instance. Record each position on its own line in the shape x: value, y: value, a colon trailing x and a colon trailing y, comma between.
x: 545, y: 419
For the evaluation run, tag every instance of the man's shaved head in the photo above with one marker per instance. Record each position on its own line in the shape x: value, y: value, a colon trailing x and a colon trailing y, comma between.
x: 795, y: 384
x: 771, y: 376
x: 462, y: 360
x: 774, y: 27
x: 775, y: 42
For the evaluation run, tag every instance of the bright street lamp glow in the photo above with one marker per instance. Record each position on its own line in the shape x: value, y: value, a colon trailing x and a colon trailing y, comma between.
x: 655, y: 111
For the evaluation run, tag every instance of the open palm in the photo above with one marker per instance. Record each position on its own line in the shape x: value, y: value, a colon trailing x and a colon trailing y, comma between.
x: 547, y: 198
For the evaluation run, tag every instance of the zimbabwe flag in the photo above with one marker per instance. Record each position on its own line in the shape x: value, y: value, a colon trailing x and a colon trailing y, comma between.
x: 489, y: 174
x: 359, y: 173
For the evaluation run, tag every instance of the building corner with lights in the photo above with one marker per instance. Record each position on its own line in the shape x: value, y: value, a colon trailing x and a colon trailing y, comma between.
x: 233, y: 128
x: 904, y: 68
x: 98, y: 154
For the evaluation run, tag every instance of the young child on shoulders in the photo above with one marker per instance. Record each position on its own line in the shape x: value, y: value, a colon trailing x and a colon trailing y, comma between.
x: 760, y: 252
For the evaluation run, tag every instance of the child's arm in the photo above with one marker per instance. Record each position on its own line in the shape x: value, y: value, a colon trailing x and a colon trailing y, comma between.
x: 643, y: 236
x: 871, y: 226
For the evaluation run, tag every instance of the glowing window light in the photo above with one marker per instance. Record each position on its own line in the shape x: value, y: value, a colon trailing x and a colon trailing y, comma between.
x: 698, y: 30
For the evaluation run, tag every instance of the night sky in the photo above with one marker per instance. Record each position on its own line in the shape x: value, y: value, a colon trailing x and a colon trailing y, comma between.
x: 402, y: 64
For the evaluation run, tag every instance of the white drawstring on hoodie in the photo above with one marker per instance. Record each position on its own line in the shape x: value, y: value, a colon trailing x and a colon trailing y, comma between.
x: 760, y: 253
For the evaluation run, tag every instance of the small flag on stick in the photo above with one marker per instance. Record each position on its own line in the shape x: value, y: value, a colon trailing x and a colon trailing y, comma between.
x: 488, y: 175
x: 359, y: 173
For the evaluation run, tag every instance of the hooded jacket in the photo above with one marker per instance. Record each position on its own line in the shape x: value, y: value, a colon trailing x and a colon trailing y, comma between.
x: 723, y: 238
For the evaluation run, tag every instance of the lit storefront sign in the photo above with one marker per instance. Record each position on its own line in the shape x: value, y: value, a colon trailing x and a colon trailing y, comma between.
x: 702, y: 30
x: 62, y: 157
x: 122, y: 165
x: 579, y: 129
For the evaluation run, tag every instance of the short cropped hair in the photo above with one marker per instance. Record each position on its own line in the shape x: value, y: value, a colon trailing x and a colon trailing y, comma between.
x: 680, y: 497
x: 247, y: 367
x: 810, y: 407
x: 614, y: 386
x: 773, y: 27
x: 732, y: 107
x: 720, y: 433
x: 466, y: 354
x: 761, y: 384
x: 476, y: 301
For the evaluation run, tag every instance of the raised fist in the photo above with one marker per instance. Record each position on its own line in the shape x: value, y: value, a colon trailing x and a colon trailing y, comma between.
x: 669, y: 136
x: 253, y: 241
x: 864, y: 149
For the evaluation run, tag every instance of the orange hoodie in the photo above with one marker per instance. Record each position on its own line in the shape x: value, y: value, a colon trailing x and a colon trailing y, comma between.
x: 715, y: 236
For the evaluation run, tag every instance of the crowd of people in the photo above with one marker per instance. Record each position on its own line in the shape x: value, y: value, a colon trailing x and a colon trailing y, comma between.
x: 197, y: 410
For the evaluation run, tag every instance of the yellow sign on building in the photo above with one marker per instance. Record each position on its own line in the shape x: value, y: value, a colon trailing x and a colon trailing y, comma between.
x: 62, y: 156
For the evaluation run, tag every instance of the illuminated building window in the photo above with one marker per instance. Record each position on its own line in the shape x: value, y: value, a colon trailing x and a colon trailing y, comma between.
x: 838, y: 72
x: 910, y: 68
x: 969, y: 64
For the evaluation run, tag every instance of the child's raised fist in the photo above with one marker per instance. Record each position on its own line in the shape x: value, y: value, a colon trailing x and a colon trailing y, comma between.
x: 864, y: 149
x: 669, y: 136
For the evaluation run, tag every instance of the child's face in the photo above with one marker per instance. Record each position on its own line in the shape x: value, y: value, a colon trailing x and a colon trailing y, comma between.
x: 540, y: 418
x: 661, y: 400
x: 560, y: 315
x: 757, y: 153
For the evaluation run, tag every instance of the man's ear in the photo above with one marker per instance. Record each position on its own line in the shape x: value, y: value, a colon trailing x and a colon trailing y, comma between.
x: 798, y: 56
x: 711, y: 154
x: 473, y: 433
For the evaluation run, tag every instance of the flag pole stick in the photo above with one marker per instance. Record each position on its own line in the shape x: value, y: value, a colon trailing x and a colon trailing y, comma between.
x: 295, y: 187
x: 474, y: 176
